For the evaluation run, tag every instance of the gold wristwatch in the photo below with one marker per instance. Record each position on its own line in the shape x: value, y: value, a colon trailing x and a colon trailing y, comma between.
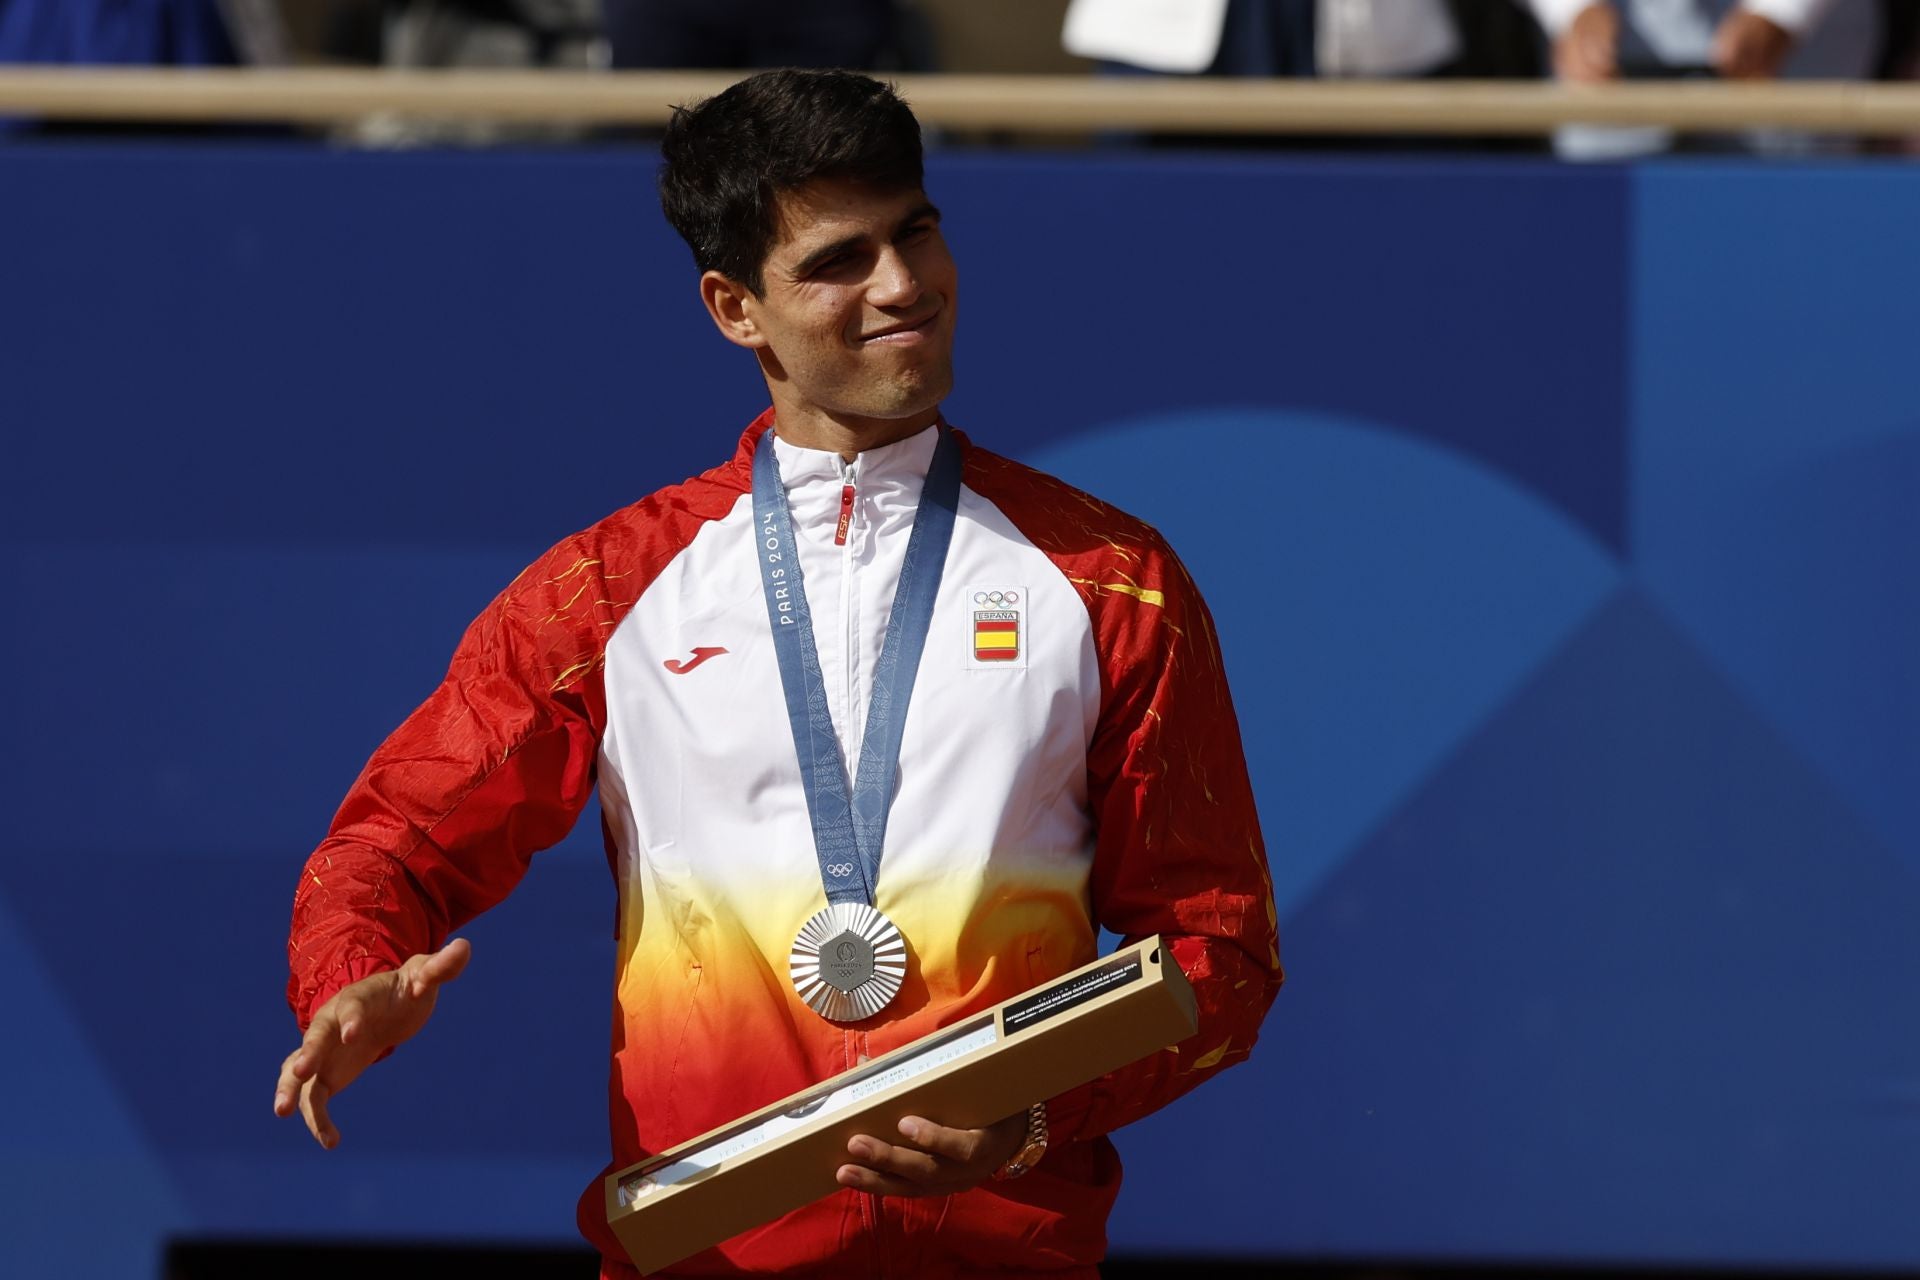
x: 1029, y: 1155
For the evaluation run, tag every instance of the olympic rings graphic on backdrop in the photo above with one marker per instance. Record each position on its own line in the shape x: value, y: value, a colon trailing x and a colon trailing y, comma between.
x: 839, y: 868
x: 996, y: 597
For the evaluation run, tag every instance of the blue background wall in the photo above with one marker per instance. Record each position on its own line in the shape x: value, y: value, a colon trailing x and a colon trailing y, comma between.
x: 1561, y: 529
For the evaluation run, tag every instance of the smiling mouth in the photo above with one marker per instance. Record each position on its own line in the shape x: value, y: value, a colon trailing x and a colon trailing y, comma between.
x: 904, y: 332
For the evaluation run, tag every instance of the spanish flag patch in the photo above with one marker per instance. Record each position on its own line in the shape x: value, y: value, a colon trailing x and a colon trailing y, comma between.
x: 996, y: 635
x: 999, y: 619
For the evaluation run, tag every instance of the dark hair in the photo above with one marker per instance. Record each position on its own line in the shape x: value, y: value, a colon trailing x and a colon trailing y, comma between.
x: 725, y: 160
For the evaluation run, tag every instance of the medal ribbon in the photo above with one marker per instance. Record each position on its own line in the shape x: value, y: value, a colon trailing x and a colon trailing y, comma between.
x: 850, y: 831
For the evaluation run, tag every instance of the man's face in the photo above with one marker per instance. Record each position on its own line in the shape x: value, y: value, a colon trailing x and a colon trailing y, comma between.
x: 855, y: 316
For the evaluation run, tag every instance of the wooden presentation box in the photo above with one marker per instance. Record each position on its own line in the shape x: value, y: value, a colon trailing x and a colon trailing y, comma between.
x: 1063, y: 1033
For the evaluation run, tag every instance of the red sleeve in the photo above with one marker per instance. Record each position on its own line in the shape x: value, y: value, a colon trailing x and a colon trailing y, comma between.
x: 1178, y: 849
x: 495, y: 765
x: 499, y: 761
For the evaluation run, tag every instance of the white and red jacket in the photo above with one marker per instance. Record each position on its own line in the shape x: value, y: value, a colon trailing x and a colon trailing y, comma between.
x: 1088, y: 774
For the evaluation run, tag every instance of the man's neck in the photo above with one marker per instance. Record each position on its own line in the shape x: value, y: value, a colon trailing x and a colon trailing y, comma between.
x: 847, y: 436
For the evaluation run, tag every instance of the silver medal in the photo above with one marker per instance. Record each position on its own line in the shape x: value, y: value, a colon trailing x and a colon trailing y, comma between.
x: 848, y: 962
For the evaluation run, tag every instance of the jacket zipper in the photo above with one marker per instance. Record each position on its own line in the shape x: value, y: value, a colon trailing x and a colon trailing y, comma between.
x: 849, y: 612
x: 846, y: 511
x: 872, y: 1211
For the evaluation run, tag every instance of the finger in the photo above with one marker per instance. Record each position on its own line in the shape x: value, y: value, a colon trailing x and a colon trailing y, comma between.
x: 900, y: 1162
x: 860, y: 1178
x: 961, y: 1145
x: 315, y: 1046
x: 349, y: 1015
x: 286, y: 1091
x: 444, y: 965
x: 313, y: 1106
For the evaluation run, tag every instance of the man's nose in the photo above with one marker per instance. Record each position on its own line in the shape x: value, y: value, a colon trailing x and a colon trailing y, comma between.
x: 894, y: 283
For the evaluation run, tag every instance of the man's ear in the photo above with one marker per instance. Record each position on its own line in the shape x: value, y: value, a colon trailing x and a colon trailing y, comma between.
x: 727, y: 302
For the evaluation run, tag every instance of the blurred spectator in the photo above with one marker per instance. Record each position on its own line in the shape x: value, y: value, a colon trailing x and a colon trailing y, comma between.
x: 1600, y: 40
x: 1483, y: 39
x: 583, y: 34
x: 491, y: 33
x: 495, y: 34
x: 1345, y: 38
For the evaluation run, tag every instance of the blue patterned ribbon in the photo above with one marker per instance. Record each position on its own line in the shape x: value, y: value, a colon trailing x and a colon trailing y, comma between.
x: 850, y: 832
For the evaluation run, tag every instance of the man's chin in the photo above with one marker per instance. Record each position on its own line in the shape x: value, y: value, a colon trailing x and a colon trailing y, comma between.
x: 913, y: 400
x: 924, y: 394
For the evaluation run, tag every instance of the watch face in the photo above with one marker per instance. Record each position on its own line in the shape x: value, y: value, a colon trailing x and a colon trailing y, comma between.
x: 1023, y: 1160
x: 1029, y: 1155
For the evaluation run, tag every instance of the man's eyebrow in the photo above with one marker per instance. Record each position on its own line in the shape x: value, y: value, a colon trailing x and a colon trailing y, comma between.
x: 921, y: 213
x: 806, y: 266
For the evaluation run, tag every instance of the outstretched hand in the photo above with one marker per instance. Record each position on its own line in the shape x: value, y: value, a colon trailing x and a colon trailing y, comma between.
x: 360, y: 1023
x: 933, y: 1160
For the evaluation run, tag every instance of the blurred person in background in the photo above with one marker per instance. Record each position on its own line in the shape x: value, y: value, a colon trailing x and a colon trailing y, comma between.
x: 557, y: 35
x: 1595, y: 41
x: 1334, y: 39
x: 580, y: 35
x: 1300, y: 38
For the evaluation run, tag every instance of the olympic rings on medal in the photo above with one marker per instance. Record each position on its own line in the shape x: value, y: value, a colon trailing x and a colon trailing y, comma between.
x: 996, y: 597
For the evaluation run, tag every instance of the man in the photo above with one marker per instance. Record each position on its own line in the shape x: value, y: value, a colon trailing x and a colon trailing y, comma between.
x: 725, y: 656
x: 1596, y: 41
x: 1750, y: 40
